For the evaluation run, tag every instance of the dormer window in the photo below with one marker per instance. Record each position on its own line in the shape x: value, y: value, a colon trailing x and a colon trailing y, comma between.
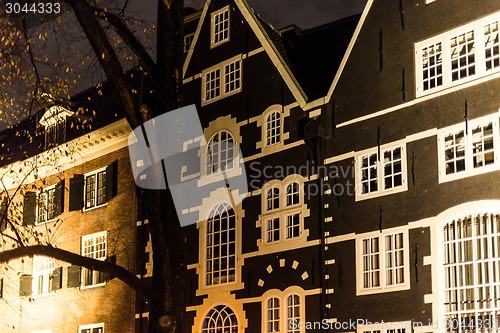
x: 219, y: 27
x: 54, y: 121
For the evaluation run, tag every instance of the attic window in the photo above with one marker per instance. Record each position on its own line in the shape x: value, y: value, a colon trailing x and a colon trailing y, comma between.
x: 219, y: 27
x: 54, y: 121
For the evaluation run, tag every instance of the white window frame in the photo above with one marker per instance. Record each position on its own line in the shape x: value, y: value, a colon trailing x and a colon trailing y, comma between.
x: 221, y: 256
x: 380, y: 177
x: 384, y: 287
x: 213, y: 33
x: 222, y: 68
x: 43, y: 207
x: 267, y: 134
x: 445, y: 39
x: 85, y: 271
x: 188, y: 41
x: 95, y: 205
x: 387, y: 327
x: 91, y: 327
x: 44, y: 275
x: 283, y: 212
x: 234, y: 162
x: 470, y: 170
x: 283, y: 323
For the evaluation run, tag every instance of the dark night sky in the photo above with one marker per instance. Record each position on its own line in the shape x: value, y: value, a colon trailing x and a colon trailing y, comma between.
x: 303, y: 13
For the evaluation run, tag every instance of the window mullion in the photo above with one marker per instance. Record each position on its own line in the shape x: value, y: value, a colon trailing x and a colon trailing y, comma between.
x: 480, y: 49
x: 381, y: 261
x: 446, y: 62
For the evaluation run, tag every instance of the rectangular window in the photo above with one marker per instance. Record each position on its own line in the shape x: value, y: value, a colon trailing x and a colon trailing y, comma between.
x: 377, y: 176
x: 386, y: 327
x: 55, y: 134
x: 95, y: 189
x: 188, y: 40
x: 222, y: 80
x: 46, y: 205
x: 383, y: 263
x: 93, y: 246
x: 220, y: 27
x: 94, y: 328
x: 293, y: 226
x: 468, y: 149
x: 273, y: 230
x: 458, y: 56
x: 42, y: 275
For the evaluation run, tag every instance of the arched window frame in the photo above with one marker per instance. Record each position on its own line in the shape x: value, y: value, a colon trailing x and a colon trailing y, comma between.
x: 285, y: 223
x: 209, y: 157
x: 273, y: 128
x: 211, y: 233
x: 282, y: 322
x: 218, y: 310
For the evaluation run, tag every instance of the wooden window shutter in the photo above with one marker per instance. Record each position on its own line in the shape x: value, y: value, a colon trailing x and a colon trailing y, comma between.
x: 29, y: 208
x: 76, y: 192
x: 59, y: 198
x: 111, y: 180
x: 25, y: 285
x: 73, y: 277
x: 56, y: 279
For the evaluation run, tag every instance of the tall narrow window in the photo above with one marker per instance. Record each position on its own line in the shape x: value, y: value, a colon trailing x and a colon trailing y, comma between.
x: 394, y: 259
x: 221, y: 246
x: 273, y: 128
x: 93, y: 246
x: 293, y: 314
x: 42, y: 275
x: 212, y: 84
x: 273, y: 315
x: 46, y: 205
x: 95, y: 189
x: 471, y: 265
x: 55, y: 134
x: 232, y: 79
x: 188, y: 40
x: 221, y: 151
x: 492, y: 45
x: 371, y: 263
x: 393, y: 168
x: 220, y: 319
x: 432, y: 66
x: 292, y: 194
x: 220, y: 26
x: 273, y: 198
x: 483, y: 152
x: 369, y: 173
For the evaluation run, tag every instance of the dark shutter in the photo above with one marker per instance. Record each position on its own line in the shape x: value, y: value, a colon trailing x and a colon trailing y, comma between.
x: 25, y: 285
x: 29, y: 208
x: 57, y: 279
x: 59, y: 198
x: 111, y: 180
x: 1, y: 288
x: 76, y: 192
x: 3, y: 215
x: 73, y: 277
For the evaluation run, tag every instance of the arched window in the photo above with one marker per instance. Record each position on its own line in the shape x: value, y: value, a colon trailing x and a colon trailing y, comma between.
x: 221, y: 245
x: 472, y: 270
x: 292, y: 194
x: 273, y: 198
x: 273, y: 128
x: 221, y: 152
x: 273, y: 315
x: 220, y: 319
x: 293, y: 314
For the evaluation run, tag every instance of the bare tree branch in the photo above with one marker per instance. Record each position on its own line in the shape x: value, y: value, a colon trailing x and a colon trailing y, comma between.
x: 128, y: 37
x: 102, y: 266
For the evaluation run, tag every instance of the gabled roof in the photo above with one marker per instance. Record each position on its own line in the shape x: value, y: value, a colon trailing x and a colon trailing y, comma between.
x: 270, y: 40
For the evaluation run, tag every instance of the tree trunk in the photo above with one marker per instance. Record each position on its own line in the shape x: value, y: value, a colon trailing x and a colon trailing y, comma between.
x: 167, y: 305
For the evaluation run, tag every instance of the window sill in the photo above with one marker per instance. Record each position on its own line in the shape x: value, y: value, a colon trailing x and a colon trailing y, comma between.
x: 95, y: 207
x: 465, y: 174
x: 399, y: 189
x: 43, y: 295
x: 219, y: 176
x: 92, y: 286
x: 380, y: 290
x: 45, y: 222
